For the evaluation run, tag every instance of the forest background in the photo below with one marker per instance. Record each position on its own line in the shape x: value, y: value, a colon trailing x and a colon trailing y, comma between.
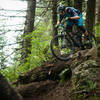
x: 33, y: 33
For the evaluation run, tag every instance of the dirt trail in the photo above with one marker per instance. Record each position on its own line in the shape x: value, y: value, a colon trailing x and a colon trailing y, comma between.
x: 46, y: 85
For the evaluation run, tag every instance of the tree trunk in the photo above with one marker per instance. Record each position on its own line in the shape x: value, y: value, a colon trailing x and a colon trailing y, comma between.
x: 78, y: 4
x: 98, y: 17
x: 97, y: 12
x: 90, y: 16
x: 7, y: 92
x: 54, y: 16
x: 29, y: 27
x: 98, y: 23
x: 69, y: 2
x: 45, y: 72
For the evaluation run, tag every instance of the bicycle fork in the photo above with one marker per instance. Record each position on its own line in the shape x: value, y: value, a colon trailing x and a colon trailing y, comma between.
x: 63, y: 42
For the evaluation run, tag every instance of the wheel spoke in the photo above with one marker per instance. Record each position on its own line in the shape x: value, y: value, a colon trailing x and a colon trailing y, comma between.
x: 60, y: 47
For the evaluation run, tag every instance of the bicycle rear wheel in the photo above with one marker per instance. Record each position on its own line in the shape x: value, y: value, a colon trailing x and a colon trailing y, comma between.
x: 62, y: 47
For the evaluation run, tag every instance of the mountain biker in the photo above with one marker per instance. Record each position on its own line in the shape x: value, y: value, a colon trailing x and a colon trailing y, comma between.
x: 73, y: 16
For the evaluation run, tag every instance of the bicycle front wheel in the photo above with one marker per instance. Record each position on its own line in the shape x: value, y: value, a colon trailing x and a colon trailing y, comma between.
x: 62, y: 47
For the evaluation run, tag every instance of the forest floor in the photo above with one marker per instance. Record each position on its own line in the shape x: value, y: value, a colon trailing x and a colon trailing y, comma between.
x: 49, y: 89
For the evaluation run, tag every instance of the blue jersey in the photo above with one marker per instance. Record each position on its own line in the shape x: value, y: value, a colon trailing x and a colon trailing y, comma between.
x: 70, y: 12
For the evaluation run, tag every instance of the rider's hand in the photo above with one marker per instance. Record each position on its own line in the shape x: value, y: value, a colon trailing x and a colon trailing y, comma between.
x: 57, y: 25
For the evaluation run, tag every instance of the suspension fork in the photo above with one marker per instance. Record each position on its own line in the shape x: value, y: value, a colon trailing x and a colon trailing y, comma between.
x: 62, y: 39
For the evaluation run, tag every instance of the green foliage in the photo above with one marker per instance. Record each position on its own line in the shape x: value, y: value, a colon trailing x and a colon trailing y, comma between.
x: 66, y: 3
x: 40, y: 52
x: 10, y: 73
x: 95, y: 97
x: 90, y: 88
x: 65, y: 74
x: 40, y: 48
x: 80, y: 97
x: 97, y: 29
x: 2, y: 50
x: 92, y: 85
x: 62, y: 76
x: 40, y: 41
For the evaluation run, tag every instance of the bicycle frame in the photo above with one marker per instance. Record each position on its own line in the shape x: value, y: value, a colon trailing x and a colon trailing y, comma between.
x: 68, y: 37
x: 64, y: 51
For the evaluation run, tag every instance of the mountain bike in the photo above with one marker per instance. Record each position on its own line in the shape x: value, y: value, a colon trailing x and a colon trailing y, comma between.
x: 63, y: 46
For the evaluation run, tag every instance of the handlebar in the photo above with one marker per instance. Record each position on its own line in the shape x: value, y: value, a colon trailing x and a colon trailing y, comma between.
x: 62, y: 22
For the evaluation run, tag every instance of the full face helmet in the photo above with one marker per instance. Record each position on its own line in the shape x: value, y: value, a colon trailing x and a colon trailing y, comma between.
x: 61, y: 8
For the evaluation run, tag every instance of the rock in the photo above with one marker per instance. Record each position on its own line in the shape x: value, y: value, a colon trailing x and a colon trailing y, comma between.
x: 82, y: 79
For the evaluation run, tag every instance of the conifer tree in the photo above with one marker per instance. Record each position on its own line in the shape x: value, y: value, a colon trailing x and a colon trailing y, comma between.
x: 29, y: 27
